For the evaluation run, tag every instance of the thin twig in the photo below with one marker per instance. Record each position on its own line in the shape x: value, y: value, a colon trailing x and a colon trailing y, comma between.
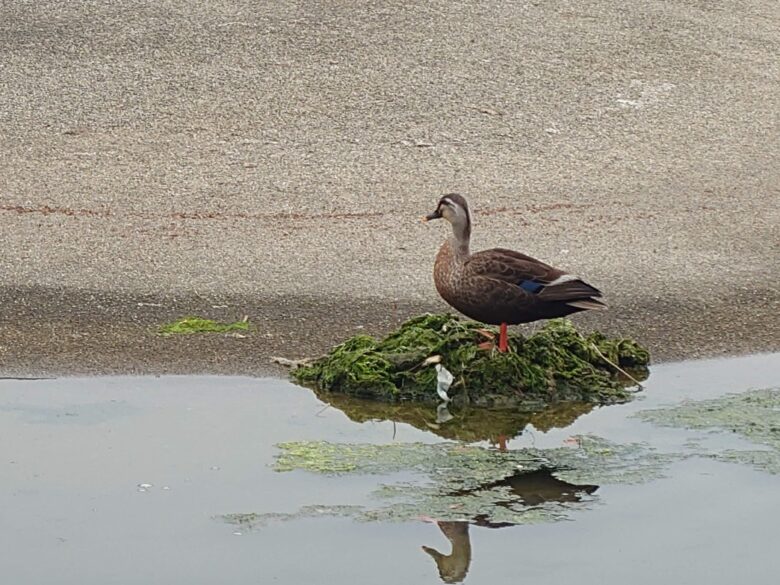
x: 614, y: 365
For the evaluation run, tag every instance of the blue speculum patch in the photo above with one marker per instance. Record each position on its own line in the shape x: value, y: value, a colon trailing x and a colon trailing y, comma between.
x: 531, y: 286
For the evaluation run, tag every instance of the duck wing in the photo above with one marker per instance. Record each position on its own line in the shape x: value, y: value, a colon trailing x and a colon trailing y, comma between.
x: 529, y: 276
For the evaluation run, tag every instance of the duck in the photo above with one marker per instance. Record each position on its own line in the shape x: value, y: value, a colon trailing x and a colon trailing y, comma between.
x: 500, y: 286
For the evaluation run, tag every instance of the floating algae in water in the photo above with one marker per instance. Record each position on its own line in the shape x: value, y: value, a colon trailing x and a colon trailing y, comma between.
x: 554, y: 364
x: 468, y: 483
x: 458, y: 466
x: 753, y: 415
x: 190, y: 325
x: 253, y: 520
x: 604, y: 462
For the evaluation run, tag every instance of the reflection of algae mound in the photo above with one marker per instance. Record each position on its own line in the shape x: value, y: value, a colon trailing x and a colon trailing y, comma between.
x: 467, y: 424
x: 556, y: 363
x: 467, y: 483
x: 754, y: 416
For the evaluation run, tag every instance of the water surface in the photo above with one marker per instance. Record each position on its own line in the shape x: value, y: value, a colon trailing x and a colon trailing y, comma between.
x: 127, y: 480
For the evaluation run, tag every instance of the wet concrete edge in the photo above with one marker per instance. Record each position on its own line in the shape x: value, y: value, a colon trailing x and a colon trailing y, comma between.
x: 48, y: 331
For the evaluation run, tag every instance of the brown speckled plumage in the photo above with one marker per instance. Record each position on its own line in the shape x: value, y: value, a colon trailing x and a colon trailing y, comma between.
x: 498, y: 285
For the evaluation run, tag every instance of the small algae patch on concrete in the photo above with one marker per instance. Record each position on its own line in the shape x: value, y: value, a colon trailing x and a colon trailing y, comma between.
x: 555, y: 364
x: 467, y: 483
x: 754, y: 416
x: 191, y: 325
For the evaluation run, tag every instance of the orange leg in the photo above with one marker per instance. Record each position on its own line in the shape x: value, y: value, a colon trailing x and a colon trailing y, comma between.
x: 503, y: 342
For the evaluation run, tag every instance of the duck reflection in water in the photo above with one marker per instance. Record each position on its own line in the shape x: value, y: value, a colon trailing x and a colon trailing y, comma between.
x: 531, y: 489
x: 453, y: 567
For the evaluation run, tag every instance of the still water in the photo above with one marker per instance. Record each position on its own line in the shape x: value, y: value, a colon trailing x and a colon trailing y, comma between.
x: 127, y: 480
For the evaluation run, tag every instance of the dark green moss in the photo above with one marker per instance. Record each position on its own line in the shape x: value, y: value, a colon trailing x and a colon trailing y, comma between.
x: 557, y: 363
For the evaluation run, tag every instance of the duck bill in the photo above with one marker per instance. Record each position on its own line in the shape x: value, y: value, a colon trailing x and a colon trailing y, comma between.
x: 434, y: 215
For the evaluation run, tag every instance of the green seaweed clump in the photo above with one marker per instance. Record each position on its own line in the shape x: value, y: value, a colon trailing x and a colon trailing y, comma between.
x: 190, y: 325
x: 555, y: 364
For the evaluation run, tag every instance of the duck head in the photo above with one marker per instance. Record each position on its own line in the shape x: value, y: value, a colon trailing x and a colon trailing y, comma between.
x: 454, y: 208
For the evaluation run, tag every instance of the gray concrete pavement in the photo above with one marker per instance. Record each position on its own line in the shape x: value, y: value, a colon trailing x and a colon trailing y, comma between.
x: 275, y: 157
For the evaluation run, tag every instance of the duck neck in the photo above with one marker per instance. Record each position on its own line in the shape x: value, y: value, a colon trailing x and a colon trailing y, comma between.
x: 461, y: 236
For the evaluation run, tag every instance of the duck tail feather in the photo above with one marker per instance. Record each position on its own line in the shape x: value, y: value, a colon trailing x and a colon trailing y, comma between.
x: 587, y: 304
x: 569, y: 290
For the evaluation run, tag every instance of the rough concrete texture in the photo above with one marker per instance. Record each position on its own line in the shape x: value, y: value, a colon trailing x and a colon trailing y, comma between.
x: 275, y: 157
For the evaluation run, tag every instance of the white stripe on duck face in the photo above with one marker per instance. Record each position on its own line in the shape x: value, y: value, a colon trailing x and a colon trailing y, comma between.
x: 459, y: 209
x: 563, y: 278
x: 452, y: 203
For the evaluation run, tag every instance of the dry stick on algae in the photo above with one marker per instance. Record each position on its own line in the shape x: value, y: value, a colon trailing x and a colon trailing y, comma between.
x: 639, y: 386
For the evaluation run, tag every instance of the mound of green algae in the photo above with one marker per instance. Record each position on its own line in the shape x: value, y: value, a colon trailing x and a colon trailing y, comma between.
x: 555, y: 364
x: 462, y: 482
x: 754, y: 416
